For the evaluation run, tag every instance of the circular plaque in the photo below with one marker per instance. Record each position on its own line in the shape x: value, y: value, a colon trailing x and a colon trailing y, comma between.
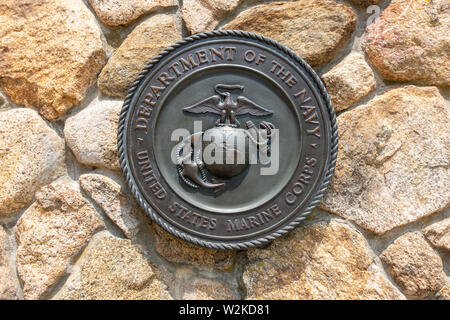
x: 227, y: 139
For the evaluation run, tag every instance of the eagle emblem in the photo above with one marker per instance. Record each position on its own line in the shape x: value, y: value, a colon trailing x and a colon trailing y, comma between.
x: 223, y: 105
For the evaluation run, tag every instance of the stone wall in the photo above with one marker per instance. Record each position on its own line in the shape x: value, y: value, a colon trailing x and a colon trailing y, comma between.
x: 70, y: 230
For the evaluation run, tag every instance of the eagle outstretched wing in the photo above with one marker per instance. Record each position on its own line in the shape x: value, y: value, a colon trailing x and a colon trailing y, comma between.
x: 246, y: 106
x: 209, y: 105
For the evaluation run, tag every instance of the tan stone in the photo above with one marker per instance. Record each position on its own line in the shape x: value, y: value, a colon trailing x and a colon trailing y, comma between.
x: 325, y: 260
x: 179, y: 251
x: 51, y: 53
x: 444, y: 293
x: 393, y: 161
x: 349, y: 81
x: 365, y: 3
x: 113, y: 269
x: 414, y: 265
x: 208, y: 289
x: 92, y: 134
x: 410, y: 42
x: 122, y: 12
x: 439, y: 234
x: 8, y: 289
x: 50, y: 232
x: 31, y: 155
x: 3, y: 102
x: 315, y: 29
x: 107, y: 194
x: 146, y: 41
x: 205, y: 15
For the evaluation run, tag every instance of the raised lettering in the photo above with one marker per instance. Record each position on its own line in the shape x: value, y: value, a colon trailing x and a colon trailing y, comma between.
x: 164, y: 78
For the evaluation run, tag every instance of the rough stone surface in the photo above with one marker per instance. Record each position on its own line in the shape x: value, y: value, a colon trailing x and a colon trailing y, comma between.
x: 444, y: 293
x: 414, y: 265
x: 107, y: 194
x: 392, y: 175
x: 410, y: 42
x: 111, y: 268
x: 50, y: 53
x: 439, y: 234
x: 204, y: 15
x: 326, y: 260
x: 393, y: 161
x: 146, y: 41
x: 349, y: 81
x: 8, y: 290
x: 51, y: 231
x: 208, y: 289
x: 176, y: 250
x: 315, y: 29
x: 122, y: 12
x: 365, y: 3
x: 3, y: 102
x: 31, y: 155
x: 92, y: 134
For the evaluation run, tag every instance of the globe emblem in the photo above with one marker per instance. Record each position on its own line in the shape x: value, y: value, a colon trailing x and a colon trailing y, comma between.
x: 223, y: 151
x: 232, y: 147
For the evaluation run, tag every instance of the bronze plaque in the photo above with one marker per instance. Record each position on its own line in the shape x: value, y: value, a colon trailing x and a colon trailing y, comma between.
x: 227, y: 139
